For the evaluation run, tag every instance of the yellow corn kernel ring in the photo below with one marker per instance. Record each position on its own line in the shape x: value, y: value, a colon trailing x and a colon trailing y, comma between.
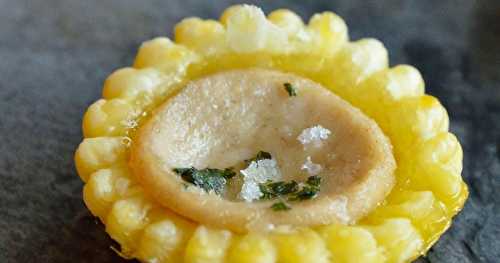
x: 355, y: 62
x: 164, y: 55
x: 109, y: 118
x: 104, y: 187
x: 164, y: 239
x: 207, y: 245
x: 398, y: 238
x: 329, y: 32
x: 101, y: 152
x: 301, y: 245
x: 386, y: 87
x: 130, y: 84
x: 252, y: 248
x: 429, y: 189
x: 249, y: 31
x: 352, y: 244
x: 290, y: 22
x: 126, y: 221
x: 413, y: 120
x: 190, y: 30
x: 439, y: 163
x: 427, y: 213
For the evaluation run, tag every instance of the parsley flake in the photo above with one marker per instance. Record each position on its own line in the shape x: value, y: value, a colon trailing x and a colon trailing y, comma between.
x: 314, y: 181
x: 291, y: 189
x: 208, y: 179
x: 275, y: 189
x: 308, y: 191
x: 280, y: 206
x: 290, y: 89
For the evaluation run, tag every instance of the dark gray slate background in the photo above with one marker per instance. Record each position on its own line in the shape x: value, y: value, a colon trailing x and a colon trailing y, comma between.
x: 55, y: 54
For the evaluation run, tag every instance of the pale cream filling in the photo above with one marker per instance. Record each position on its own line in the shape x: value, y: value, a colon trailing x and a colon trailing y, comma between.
x: 220, y: 120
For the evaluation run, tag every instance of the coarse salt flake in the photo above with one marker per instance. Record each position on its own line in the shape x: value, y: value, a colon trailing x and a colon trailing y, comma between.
x: 258, y: 172
x: 315, y: 135
x: 250, y: 191
x: 262, y: 171
x: 310, y: 167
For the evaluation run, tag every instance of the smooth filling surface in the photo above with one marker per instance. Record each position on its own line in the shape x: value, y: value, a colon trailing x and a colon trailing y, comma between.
x: 225, y: 120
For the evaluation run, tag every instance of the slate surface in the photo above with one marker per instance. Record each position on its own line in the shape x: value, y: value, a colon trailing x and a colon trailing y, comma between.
x: 55, y: 54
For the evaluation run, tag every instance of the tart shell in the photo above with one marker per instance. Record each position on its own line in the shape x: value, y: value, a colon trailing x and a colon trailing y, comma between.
x: 428, y: 190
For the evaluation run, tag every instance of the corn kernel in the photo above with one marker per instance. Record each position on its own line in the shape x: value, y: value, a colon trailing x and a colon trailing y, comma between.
x: 445, y: 184
x: 438, y: 164
x: 435, y: 165
x: 252, y: 248
x: 98, y: 192
x: 248, y: 31
x: 287, y: 20
x: 427, y: 214
x: 444, y: 149
x: 164, y: 55
x: 205, y: 36
x: 376, y: 94
x: 399, y: 239
x: 349, y: 244
x: 97, y: 153
x: 388, y: 86
x: 165, y: 239
x: 109, y: 118
x: 302, y: 245
x: 355, y: 62
x: 104, y: 187
x: 132, y: 84
x: 404, y: 81
x: 228, y: 12
x: 330, y: 32
x: 413, y: 120
x: 126, y: 220
x: 207, y: 246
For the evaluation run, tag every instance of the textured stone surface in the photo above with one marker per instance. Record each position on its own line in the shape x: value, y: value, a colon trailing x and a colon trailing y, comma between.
x: 55, y: 54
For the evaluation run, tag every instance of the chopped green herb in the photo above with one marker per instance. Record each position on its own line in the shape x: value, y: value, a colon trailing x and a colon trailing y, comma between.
x: 280, y: 206
x: 261, y: 155
x: 208, y: 179
x: 314, y: 180
x: 275, y: 189
x: 290, y: 89
x: 308, y: 191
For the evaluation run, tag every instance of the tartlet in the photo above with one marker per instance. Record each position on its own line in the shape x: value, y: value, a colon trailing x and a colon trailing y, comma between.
x: 373, y: 174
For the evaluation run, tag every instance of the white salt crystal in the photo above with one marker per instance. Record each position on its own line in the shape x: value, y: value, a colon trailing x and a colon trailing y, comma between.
x: 258, y: 172
x: 262, y: 170
x: 250, y: 191
x: 310, y: 167
x: 314, y: 135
